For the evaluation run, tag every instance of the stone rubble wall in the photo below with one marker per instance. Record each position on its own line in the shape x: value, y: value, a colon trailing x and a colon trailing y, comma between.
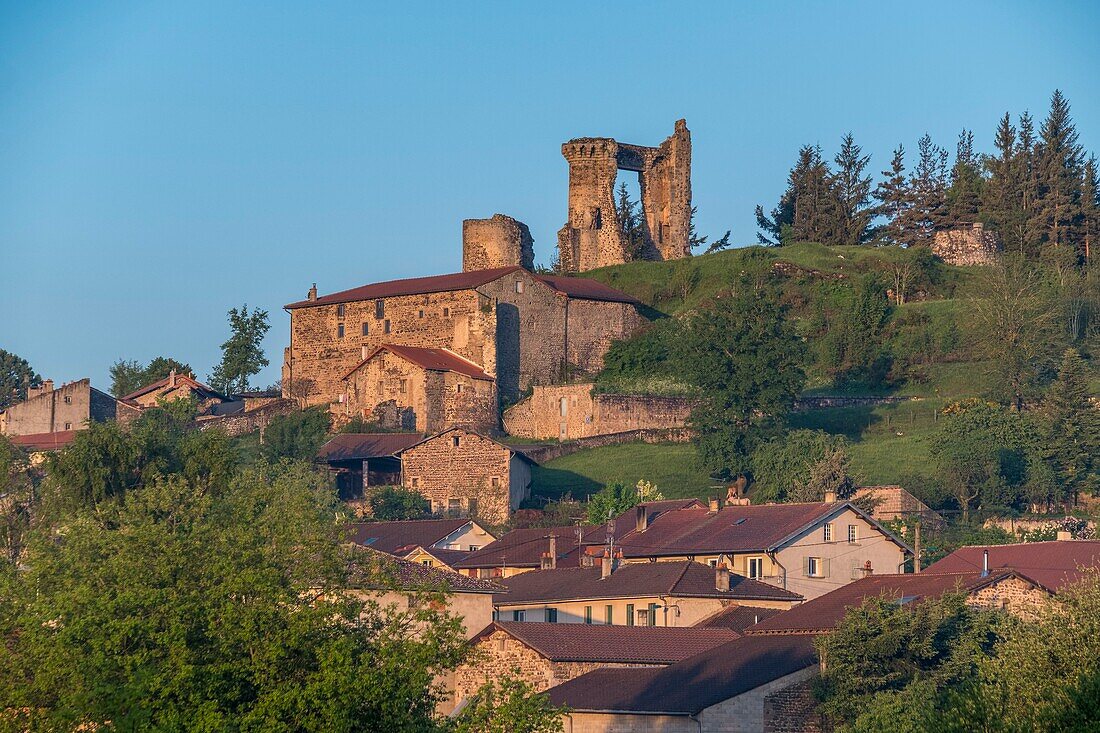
x: 441, y: 471
x: 967, y: 245
x: 500, y: 241
x: 248, y: 422
x: 570, y: 412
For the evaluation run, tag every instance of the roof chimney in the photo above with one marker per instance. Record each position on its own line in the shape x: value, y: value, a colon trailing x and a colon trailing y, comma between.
x: 721, y: 577
x: 985, y: 563
x: 550, y: 559
x: 47, y: 386
x: 713, y: 505
x: 641, y: 518
x: 830, y: 497
x: 605, y: 568
x: 866, y: 571
x: 172, y: 379
x: 312, y: 295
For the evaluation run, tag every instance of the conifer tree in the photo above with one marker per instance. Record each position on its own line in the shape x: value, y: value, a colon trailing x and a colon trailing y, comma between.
x: 853, y: 192
x: 895, y: 199
x: 815, y: 200
x: 928, y: 185
x: 630, y: 223
x: 1090, y: 210
x: 1003, y: 191
x: 1028, y: 172
x: 964, y: 195
x: 1059, y: 170
x: 1073, y: 428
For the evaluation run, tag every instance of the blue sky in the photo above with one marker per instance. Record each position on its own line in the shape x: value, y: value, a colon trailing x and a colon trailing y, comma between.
x: 162, y: 162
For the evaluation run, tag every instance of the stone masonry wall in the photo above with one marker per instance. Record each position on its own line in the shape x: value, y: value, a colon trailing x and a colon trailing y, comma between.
x: 388, y: 378
x: 318, y: 358
x: 500, y: 241
x: 592, y: 326
x: 69, y: 407
x: 572, y: 411
x: 250, y: 421
x: 1016, y: 596
x: 475, y: 469
x: 794, y: 710
x: 967, y: 245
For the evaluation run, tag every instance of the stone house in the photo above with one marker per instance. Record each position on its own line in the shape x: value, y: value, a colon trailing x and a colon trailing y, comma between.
x: 548, y: 654
x: 359, y: 461
x: 420, y: 389
x: 460, y: 471
x: 736, y: 687
x: 71, y: 406
x: 667, y: 594
x: 1053, y: 565
x: 436, y: 543
x: 807, y: 548
x: 887, y: 503
x: 571, y: 411
x: 518, y: 327
x: 175, y: 387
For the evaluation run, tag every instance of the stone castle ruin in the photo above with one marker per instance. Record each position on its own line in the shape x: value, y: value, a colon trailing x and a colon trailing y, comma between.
x: 593, y: 235
x: 967, y: 244
x: 500, y: 241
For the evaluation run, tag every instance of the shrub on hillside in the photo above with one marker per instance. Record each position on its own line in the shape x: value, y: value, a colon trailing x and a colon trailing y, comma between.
x: 297, y: 435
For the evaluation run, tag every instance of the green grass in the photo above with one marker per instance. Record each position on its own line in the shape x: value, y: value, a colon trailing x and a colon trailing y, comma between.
x: 671, y: 466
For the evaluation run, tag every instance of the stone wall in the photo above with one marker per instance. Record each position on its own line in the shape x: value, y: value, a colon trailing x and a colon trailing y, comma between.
x: 794, y: 710
x: 463, y: 321
x: 592, y: 236
x: 569, y: 412
x: 1014, y: 595
x: 967, y: 245
x: 497, y: 242
x: 249, y: 421
x: 464, y: 466
x: 548, y: 452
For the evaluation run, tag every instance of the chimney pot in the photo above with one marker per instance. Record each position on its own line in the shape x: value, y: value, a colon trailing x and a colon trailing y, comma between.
x: 830, y: 497
x: 985, y: 563
x: 47, y: 386
x: 1064, y: 535
x: 312, y: 292
x: 606, y: 566
x: 553, y: 551
x: 714, y: 505
x: 721, y: 577
x: 172, y: 379
x: 641, y: 518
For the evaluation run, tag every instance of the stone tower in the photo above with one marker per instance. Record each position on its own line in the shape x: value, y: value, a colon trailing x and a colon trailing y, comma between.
x: 592, y: 236
x: 497, y: 242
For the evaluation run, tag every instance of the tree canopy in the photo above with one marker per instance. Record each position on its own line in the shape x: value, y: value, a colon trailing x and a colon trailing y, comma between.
x: 242, y: 354
x: 16, y: 376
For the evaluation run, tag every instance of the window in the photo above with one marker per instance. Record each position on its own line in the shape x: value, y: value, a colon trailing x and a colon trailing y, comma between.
x: 652, y: 614
x: 404, y: 386
x: 519, y: 286
x: 608, y: 612
x: 455, y: 440
x: 588, y: 614
x: 379, y: 309
x: 564, y: 406
x: 426, y: 563
x: 474, y: 548
x: 853, y: 534
x: 68, y: 426
x: 552, y: 615
x: 458, y: 388
x: 502, y: 644
x: 518, y: 616
x: 630, y: 614
x: 494, y: 481
x: 828, y: 530
x: 471, y: 506
x: 386, y: 326
x: 446, y: 312
x: 713, y: 562
x: 414, y: 482
x: 340, y: 311
x: 816, y: 567
x: 420, y: 313
x: 366, y: 329
x: 68, y: 399
x: 454, y: 505
x: 756, y: 567
x: 381, y: 386
x: 339, y: 330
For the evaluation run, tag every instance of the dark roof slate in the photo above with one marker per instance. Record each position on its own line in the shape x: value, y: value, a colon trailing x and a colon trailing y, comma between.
x: 401, y: 538
x: 685, y: 578
x: 374, y: 570
x: 524, y: 547
x: 738, y: 618
x: 612, y: 644
x: 689, y: 686
x: 358, y: 446
x: 1051, y: 564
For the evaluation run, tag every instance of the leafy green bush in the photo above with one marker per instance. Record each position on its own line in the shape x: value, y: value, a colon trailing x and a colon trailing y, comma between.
x: 392, y: 503
x: 297, y: 435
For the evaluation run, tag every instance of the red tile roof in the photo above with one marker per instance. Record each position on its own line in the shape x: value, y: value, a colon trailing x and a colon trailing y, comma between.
x: 36, y: 442
x: 1051, y: 564
x: 611, y: 644
x: 574, y: 287
x: 685, y: 579
x: 205, y: 391
x: 690, y: 686
x: 401, y: 538
x: 441, y: 360
x: 376, y: 570
x: 357, y: 446
x: 751, y: 528
x: 823, y: 613
x: 738, y: 618
x: 523, y: 548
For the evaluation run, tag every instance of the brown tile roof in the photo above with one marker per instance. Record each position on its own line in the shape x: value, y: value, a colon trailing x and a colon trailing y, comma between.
x: 738, y: 618
x: 401, y: 538
x: 441, y: 360
x: 374, y: 570
x: 205, y: 392
x: 692, y: 685
x: 574, y: 287
x: 750, y: 528
x: 685, y: 578
x: 611, y: 644
x: 523, y: 548
x: 36, y: 442
x: 1051, y: 564
x: 504, y: 446
x: 823, y: 613
x: 357, y: 446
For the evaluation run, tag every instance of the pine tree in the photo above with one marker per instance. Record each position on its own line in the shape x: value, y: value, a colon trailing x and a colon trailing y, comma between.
x: 895, y: 199
x: 1073, y: 428
x: 775, y: 229
x: 1090, y: 210
x: 1003, y: 191
x: 1028, y: 172
x: 964, y: 195
x: 853, y: 192
x: 1059, y: 169
x: 630, y: 223
x: 928, y: 185
x: 815, y: 199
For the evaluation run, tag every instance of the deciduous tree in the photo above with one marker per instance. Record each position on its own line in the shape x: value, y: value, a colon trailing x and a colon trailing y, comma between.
x: 242, y: 354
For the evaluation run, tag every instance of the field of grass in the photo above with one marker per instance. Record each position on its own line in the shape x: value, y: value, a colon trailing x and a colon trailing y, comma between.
x: 671, y: 466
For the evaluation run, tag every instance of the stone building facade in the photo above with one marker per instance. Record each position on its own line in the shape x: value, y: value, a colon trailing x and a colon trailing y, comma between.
x: 573, y: 411
x: 461, y: 472
x: 520, y: 328
x: 420, y: 389
x: 69, y: 407
x: 967, y: 244
x: 499, y: 241
x: 592, y: 237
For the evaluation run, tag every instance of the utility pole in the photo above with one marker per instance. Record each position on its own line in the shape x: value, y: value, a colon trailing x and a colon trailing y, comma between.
x: 916, y: 546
